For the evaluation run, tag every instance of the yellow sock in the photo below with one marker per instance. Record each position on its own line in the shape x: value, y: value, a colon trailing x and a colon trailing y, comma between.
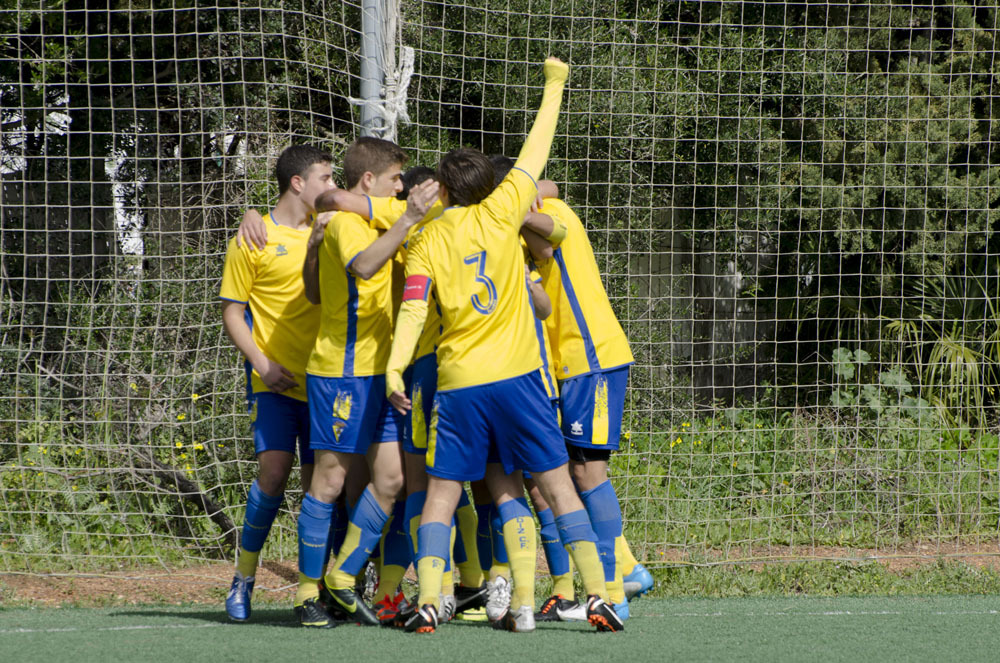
x: 335, y: 578
x: 429, y: 574
x: 563, y: 585
x: 588, y: 562
x: 616, y: 588
x: 246, y: 562
x: 500, y: 569
x: 448, y: 583
x: 519, y: 537
x: 414, y: 525
x: 308, y: 589
x: 388, y: 581
x: 469, y: 570
x: 624, y: 558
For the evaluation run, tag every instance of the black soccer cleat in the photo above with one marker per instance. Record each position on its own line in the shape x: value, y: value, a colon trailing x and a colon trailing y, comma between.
x: 549, y: 612
x: 348, y: 602
x: 312, y: 615
x: 422, y: 620
x: 469, y: 598
x: 603, y: 616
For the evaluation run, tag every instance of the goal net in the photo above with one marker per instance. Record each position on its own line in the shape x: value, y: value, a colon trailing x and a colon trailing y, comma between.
x: 793, y: 206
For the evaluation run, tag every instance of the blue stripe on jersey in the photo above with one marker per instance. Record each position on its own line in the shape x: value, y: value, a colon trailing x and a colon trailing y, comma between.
x: 528, y: 174
x: 247, y: 367
x: 574, y: 303
x: 352, y: 323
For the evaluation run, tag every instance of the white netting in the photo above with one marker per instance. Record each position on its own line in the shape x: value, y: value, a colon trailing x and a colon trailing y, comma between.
x: 793, y: 205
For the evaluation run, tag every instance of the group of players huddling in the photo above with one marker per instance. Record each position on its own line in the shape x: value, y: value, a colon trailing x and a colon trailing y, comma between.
x: 498, y: 361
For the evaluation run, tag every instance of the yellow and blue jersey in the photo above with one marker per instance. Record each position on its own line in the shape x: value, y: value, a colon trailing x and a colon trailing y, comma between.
x: 586, y: 336
x: 269, y: 282
x: 356, y: 314
x: 471, y: 257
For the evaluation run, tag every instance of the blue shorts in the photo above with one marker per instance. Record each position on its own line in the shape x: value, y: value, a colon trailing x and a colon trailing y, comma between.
x: 592, y: 406
x: 514, y: 416
x: 422, y: 385
x: 350, y: 414
x: 555, y: 408
x: 278, y: 423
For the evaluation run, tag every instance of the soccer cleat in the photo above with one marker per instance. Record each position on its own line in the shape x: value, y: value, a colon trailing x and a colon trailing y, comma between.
x: 470, y: 598
x: 447, y: 611
x: 549, y: 612
x: 238, y: 599
x: 328, y: 603
x: 473, y: 615
x: 348, y: 601
x: 497, y: 598
x: 621, y: 609
x: 521, y: 620
x: 603, y: 616
x: 388, y: 608
x: 638, y: 582
x: 574, y: 612
x: 422, y: 620
x: 312, y: 615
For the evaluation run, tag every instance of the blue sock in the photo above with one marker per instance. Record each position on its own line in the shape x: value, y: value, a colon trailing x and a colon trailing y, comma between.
x: 433, y: 539
x: 496, y: 531
x: 260, y: 514
x: 396, y: 544
x: 512, y: 509
x: 575, y: 526
x: 606, y: 518
x: 484, y: 538
x: 314, y: 530
x: 370, y: 519
x: 414, y: 506
x: 555, y: 553
x: 335, y: 523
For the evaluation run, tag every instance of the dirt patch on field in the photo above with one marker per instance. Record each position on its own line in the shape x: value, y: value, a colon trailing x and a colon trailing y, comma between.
x: 208, y: 583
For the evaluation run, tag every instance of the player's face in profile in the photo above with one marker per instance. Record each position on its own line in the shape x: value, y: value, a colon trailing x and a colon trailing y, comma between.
x: 318, y: 179
x: 388, y: 183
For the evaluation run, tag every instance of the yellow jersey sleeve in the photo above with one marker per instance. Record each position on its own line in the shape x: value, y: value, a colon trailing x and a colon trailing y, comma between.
x: 386, y: 211
x: 511, y: 200
x: 238, y: 273
x: 347, y: 237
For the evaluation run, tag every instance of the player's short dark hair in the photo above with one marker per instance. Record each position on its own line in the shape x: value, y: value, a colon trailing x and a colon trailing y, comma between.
x: 501, y: 166
x: 413, y: 177
x: 296, y: 160
x: 370, y: 154
x: 467, y: 174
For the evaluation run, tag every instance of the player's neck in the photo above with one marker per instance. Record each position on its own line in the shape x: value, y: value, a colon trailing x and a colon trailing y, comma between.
x: 291, y: 213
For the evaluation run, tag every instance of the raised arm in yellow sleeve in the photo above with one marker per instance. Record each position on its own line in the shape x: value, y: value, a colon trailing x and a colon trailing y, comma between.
x: 535, y: 151
x: 409, y: 324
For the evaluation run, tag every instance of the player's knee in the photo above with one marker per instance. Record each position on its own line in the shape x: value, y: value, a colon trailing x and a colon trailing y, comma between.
x: 388, y: 484
x: 326, y: 486
x: 272, y: 481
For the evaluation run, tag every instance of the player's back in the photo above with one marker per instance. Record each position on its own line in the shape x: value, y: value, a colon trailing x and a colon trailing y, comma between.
x: 585, y: 333
x: 474, y: 257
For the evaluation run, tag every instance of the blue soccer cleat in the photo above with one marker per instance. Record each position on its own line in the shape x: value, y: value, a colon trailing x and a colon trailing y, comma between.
x: 622, y: 609
x: 638, y: 582
x: 238, y: 599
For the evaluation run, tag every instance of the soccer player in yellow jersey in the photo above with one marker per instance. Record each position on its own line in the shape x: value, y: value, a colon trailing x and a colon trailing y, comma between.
x: 266, y: 314
x: 489, y: 387
x: 351, y: 420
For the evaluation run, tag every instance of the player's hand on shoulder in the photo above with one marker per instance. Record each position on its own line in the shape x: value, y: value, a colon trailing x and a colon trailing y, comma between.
x: 420, y: 199
x: 276, y: 377
x: 319, y: 229
x: 252, y: 231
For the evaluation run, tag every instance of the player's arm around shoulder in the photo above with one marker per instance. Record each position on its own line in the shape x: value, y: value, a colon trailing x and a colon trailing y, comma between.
x: 252, y: 231
x: 369, y: 261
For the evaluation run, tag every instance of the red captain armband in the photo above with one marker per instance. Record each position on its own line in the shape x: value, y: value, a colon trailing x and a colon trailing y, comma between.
x: 417, y: 287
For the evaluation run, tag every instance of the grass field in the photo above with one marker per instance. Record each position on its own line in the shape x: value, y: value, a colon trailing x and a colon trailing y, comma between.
x: 965, y: 628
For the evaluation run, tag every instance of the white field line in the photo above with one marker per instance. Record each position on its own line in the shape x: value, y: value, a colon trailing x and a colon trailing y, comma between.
x: 137, y: 627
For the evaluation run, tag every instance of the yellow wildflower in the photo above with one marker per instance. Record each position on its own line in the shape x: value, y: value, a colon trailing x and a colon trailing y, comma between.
x: 181, y: 417
x: 199, y: 446
x: 194, y: 397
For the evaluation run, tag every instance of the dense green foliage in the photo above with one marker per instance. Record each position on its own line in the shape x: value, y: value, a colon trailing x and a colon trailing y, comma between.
x: 793, y: 205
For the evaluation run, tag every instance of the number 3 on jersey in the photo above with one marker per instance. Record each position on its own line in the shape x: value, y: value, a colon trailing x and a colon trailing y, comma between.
x: 479, y: 260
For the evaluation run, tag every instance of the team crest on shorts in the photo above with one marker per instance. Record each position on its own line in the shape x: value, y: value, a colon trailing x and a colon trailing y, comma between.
x: 576, y: 428
x: 341, y: 412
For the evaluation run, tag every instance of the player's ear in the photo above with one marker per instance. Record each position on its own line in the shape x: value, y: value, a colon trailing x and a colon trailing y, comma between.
x: 296, y: 184
x: 368, y: 180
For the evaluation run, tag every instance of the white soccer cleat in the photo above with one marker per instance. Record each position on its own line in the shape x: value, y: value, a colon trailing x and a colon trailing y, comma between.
x: 521, y: 620
x: 447, y: 611
x: 497, y: 598
x: 575, y: 613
